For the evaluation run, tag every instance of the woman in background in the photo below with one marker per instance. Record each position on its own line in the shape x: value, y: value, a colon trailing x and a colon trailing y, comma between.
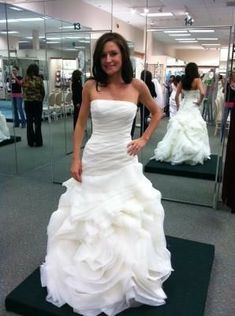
x: 228, y: 189
x: 186, y: 140
x: 146, y: 76
x: 17, y: 97
x: 76, y: 94
x: 172, y: 102
x: 34, y: 93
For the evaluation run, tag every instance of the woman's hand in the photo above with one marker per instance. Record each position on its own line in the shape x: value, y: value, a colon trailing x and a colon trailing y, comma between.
x: 135, y: 146
x: 76, y: 170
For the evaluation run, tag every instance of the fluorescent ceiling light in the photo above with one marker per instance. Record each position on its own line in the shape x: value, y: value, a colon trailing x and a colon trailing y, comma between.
x: 15, y: 8
x: 175, y: 31
x: 207, y: 39
x: 201, y: 31
x: 73, y: 37
x: 211, y: 44
x: 21, y: 42
x: 9, y: 32
x: 30, y: 37
x: 180, y: 34
x: 22, y: 20
x: 53, y: 42
x: 53, y: 38
x: 185, y: 39
x: 66, y: 27
x: 186, y: 42
x: 157, y: 14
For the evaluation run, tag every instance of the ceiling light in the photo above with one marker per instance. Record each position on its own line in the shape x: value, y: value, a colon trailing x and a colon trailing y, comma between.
x: 176, y: 31
x: 207, y: 39
x: 30, y: 37
x: 187, y: 34
x: 185, y: 39
x: 201, y: 31
x: 66, y: 27
x: 22, y: 20
x: 9, y: 32
x: 157, y: 14
x: 21, y: 42
x: 146, y: 10
x: 211, y: 44
x: 133, y: 11
x: 188, y: 42
x: 53, y: 42
x: 15, y: 8
x: 53, y: 38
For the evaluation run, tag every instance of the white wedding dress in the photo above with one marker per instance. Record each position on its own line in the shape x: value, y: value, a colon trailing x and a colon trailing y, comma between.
x: 186, y: 139
x: 4, y: 130
x: 106, y: 245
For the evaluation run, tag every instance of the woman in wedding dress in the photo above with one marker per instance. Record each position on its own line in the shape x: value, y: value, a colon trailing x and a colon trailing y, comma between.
x: 106, y: 245
x: 186, y: 139
x: 4, y: 130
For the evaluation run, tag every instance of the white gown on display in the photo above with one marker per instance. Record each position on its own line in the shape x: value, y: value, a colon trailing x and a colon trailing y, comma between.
x: 186, y: 139
x: 160, y: 98
x: 106, y: 245
x: 4, y: 130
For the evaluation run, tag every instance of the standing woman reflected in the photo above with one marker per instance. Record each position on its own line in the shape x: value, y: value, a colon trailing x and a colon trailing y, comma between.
x: 76, y: 94
x: 34, y: 93
x: 186, y: 139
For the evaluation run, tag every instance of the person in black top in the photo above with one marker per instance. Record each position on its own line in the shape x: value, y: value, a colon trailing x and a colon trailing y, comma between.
x: 228, y: 184
x: 17, y: 97
x: 76, y: 94
x: 146, y: 76
x: 229, y: 101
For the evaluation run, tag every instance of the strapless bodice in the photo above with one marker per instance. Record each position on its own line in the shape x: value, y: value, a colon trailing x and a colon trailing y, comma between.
x: 110, y: 117
x: 111, y: 126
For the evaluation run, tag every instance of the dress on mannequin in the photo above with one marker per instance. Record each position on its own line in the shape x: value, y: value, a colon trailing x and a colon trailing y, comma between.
x: 106, y: 244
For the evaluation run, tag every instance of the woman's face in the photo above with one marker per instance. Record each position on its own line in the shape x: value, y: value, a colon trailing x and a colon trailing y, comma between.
x: 111, y: 59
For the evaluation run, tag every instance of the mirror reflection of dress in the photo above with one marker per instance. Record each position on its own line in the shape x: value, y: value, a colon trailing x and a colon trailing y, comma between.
x: 4, y: 130
x: 186, y: 139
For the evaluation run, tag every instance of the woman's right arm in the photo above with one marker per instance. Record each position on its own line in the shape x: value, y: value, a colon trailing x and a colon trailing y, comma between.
x: 177, y: 99
x: 76, y: 166
x: 201, y: 90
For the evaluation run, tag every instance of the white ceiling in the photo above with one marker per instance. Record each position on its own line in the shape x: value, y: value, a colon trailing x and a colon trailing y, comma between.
x: 210, y: 13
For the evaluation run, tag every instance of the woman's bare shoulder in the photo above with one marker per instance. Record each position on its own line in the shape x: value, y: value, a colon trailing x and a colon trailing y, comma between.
x: 89, y: 84
x: 138, y: 84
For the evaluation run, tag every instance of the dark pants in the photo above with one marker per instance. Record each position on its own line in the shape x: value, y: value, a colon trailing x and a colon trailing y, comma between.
x: 33, y: 110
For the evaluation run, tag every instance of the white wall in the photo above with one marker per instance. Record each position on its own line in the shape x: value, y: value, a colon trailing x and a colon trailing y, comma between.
x: 201, y: 57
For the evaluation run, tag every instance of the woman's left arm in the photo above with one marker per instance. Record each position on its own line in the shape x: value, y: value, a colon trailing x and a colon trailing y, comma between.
x: 145, y: 98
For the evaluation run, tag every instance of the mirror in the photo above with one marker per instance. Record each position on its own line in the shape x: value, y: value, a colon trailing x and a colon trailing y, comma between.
x: 168, y: 54
x: 8, y: 162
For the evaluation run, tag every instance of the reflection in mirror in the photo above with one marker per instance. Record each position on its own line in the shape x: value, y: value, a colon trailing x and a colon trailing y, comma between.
x: 169, y: 52
x: 25, y: 47
x: 8, y: 162
x: 67, y: 74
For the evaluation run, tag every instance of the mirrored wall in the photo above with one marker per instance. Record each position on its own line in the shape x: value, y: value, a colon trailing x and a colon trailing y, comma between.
x: 63, y: 44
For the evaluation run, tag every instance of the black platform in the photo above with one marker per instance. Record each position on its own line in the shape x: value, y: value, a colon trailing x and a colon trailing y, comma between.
x: 207, y: 171
x: 186, y: 288
x: 13, y: 139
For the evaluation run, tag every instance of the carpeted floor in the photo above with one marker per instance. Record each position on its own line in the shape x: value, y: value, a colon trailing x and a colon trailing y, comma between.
x: 28, y: 199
